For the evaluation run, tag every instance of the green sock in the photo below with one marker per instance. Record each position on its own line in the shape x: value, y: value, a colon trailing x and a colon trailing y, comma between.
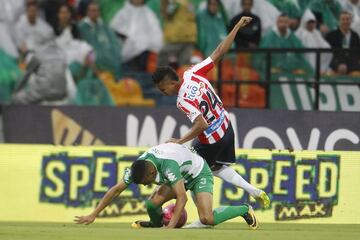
x: 222, y: 214
x: 155, y: 213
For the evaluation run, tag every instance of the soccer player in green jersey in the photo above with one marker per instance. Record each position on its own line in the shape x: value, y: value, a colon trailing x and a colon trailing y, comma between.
x: 176, y: 169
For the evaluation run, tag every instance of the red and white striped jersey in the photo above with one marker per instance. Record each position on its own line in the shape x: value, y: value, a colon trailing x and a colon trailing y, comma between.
x: 197, y: 96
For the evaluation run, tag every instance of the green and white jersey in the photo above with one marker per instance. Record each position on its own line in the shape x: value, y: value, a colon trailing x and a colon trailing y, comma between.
x: 172, y: 162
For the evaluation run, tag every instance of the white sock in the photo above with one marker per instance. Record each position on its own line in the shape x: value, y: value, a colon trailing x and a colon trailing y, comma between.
x: 197, y: 224
x: 229, y: 175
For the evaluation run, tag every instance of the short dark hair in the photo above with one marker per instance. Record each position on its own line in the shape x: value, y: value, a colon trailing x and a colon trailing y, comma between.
x: 164, y: 72
x: 68, y: 7
x: 31, y: 3
x: 93, y: 2
x: 345, y: 13
x: 218, y: 2
x: 138, y: 171
x: 252, y: 2
x: 283, y: 15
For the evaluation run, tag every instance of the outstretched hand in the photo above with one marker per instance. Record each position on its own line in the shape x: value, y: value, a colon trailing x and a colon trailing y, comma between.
x: 84, y: 219
x: 244, y: 21
x: 172, y: 140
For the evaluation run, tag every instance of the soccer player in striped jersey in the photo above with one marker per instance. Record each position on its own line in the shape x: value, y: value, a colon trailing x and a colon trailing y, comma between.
x: 211, y: 130
x: 176, y: 169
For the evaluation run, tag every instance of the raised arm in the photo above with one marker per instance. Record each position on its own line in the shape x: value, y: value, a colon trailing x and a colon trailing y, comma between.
x: 225, y: 45
x: 113, y: 192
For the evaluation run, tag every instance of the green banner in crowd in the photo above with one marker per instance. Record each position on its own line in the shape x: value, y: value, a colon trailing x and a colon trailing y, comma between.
x: 302, y: 96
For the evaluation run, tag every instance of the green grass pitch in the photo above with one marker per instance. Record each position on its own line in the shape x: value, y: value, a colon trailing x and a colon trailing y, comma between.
x: 109, y: 231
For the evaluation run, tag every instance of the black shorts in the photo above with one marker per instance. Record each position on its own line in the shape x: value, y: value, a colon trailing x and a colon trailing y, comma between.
x: 219, y: 153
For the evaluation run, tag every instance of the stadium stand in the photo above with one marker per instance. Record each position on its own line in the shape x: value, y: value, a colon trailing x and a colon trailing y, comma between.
x: 98, y: 48
x: 126, y: 92
x: 9, y: 75
x: 91, y: 91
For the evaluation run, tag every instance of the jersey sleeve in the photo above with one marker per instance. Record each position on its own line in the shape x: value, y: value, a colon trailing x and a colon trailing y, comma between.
x: 203, y: 67
x: 127, y: 176
x: 171, y: 172
x: 189, y: 108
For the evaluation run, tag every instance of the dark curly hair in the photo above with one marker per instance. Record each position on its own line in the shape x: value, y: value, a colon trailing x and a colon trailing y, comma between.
x: 138, y: 171
x: 163, y: 73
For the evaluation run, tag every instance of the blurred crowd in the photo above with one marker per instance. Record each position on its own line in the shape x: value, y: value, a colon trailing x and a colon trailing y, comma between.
x: 103, y: 52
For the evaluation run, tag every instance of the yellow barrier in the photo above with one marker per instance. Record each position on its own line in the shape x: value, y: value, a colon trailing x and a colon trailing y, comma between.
x: 54, y: 183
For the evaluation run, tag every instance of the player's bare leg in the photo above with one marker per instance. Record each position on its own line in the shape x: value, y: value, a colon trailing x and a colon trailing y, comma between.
x: 204, y: 206
x: 153, y: 205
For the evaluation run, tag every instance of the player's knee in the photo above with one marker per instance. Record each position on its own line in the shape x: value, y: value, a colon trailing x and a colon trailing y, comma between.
x: 155, y: 201
x: 215, y: 167
x: 151, y: 205
x: 207, y: 219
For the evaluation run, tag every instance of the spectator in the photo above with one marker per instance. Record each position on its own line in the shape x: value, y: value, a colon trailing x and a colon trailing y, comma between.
x: 344, y: 62
x: 102, y: 39
x: 180, y: 33
x: 82, y: 6
x: 250, y: 35
x: 267, y: 12
x: 140, y: 29
x: 9, y: 75
x: 64, y: 22
x: 211, y: 27
x: 31, y: 26
x: 281, y: 37
x: 45, y: 78
x: 6, y: 39
x: 290, y: 8
x: 353, y: 7
x: 326, y: 12
x: 310, y: 37
x: 50, y: 9
x: 76, y: 51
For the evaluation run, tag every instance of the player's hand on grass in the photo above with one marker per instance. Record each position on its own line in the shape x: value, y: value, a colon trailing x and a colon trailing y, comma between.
x: 85, y: 219
x: 244, y: 21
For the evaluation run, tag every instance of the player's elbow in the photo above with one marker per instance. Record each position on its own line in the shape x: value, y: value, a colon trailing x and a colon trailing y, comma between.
x: 204, y: 126
x: 207, y: 219
x: 201, y: 123
x: 216, y: 55
x: 185, y: 198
